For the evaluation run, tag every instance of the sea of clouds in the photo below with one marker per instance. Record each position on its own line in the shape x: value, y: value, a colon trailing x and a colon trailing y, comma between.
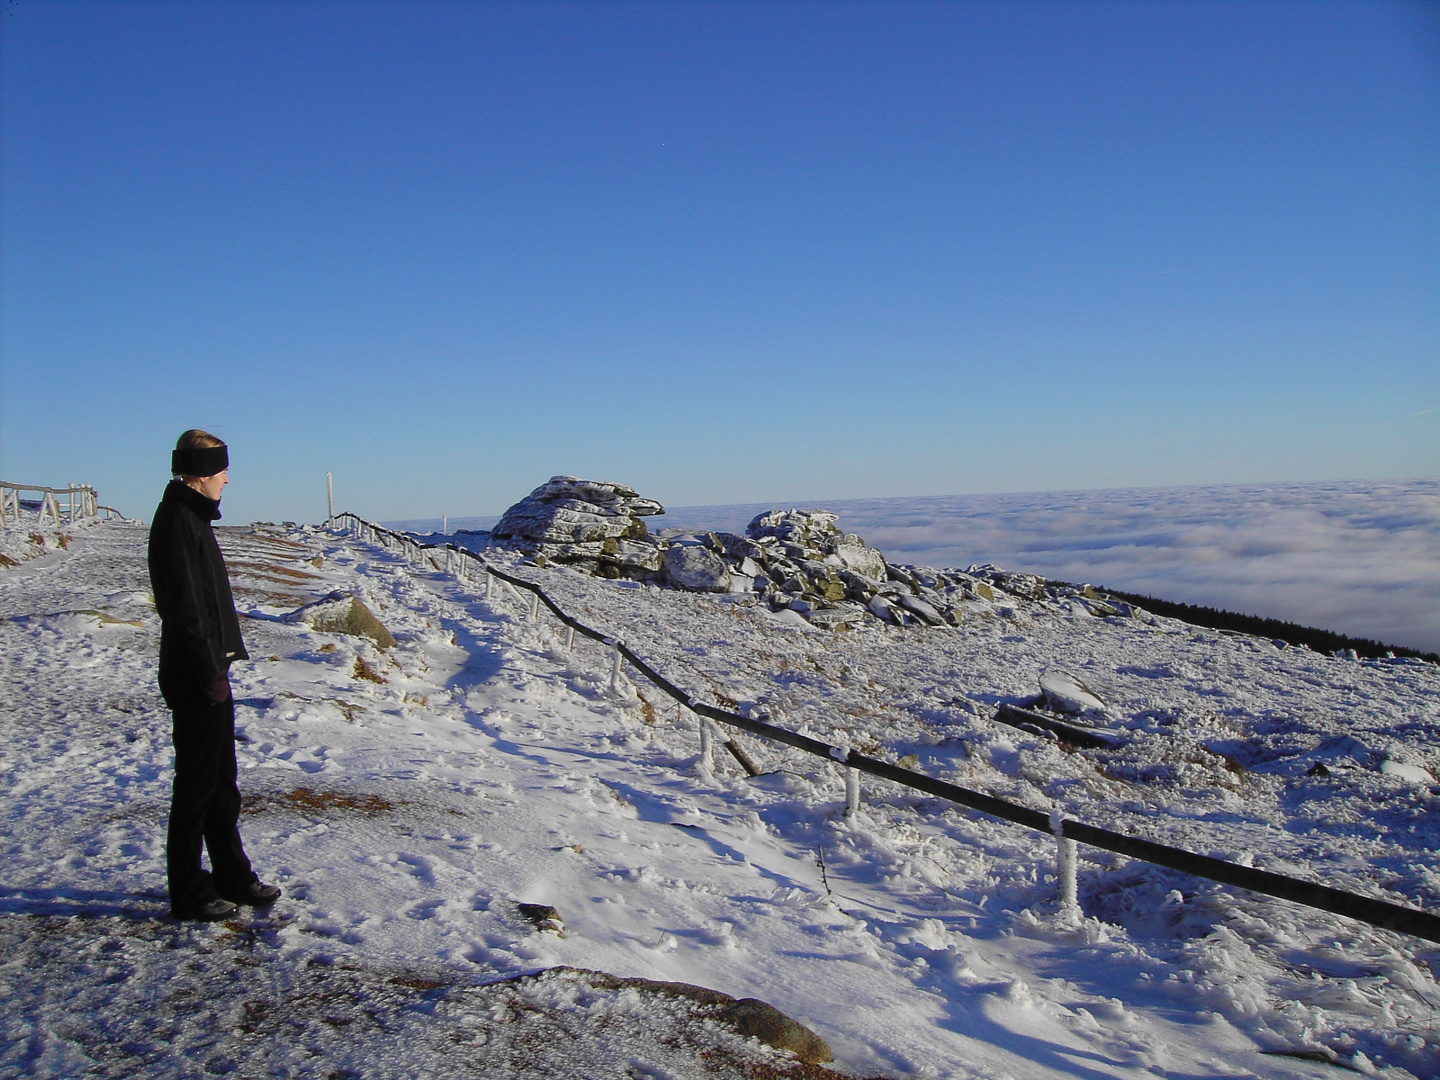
x: 1360, y: 557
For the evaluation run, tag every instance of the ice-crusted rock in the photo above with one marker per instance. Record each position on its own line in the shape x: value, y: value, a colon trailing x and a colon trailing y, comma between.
x: 853, y: 555
x: 1066, y: 693
x: 595, y: 524
x: 694, y: 566
x: 812, y: 534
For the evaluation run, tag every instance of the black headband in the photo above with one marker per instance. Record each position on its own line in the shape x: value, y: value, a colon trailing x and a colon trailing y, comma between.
x: 200, y: 461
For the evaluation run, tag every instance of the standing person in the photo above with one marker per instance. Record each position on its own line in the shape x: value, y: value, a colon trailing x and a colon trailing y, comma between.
x: 199, y: 638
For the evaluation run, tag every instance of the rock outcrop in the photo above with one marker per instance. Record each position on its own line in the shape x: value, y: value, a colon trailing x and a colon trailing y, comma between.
x: 798, y: 560
x: 592, y: 525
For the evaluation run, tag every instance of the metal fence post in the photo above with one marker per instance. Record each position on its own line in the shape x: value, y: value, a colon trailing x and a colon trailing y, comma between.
x: 569, y: 639
x: 535, y: 608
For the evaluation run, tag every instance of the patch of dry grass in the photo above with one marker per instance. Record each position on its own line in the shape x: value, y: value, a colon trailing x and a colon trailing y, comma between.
x: 366, y: 672
x: 311, y: 801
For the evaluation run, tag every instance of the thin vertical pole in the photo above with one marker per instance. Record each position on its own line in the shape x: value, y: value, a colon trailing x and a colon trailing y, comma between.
x: 852, y: 790
x: 330, y: 497
x: 707, y: 742
x: 569, y: 639
x: 534, y: 607
x: 615, y: 683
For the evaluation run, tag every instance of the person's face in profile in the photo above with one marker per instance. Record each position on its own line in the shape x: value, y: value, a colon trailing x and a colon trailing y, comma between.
x: 210, y: 486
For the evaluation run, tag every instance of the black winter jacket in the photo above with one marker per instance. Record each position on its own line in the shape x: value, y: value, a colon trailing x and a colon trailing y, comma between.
x: 199, y: 630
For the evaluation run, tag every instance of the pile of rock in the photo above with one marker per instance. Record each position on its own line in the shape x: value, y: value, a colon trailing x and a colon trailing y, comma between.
x: 591, y: 525
x: 798, y: 560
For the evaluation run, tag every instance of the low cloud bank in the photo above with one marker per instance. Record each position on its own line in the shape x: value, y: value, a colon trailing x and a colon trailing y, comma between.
x: 1356, y: 557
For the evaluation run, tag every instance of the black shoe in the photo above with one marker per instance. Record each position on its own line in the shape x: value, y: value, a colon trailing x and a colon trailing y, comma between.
x: 256, y: 894
x: 216, y: 910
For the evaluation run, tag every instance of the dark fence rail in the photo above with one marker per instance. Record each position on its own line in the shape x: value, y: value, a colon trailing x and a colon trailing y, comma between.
x: 1366, y: 909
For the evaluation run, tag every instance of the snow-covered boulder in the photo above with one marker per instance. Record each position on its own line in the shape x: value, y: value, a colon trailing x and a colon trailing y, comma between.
x: 694, y: 566
x: 343, y: 613
x: 851, y: 553
x: 595, y: 524
x: 1065, y: 693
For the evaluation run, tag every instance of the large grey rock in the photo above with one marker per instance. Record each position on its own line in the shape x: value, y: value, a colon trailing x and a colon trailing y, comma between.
x: 586, y: 523
x: 616, y: 498
x: 694, y: 566
x: 920, y: 608
x: 853, y: 555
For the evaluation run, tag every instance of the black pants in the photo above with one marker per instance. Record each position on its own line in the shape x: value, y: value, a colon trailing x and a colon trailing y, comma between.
x: 204, y: 804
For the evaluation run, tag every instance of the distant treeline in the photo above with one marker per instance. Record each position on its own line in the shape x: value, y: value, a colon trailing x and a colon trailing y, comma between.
x: 1293, y: 634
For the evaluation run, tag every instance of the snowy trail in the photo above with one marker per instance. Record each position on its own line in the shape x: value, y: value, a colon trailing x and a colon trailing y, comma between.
x: 406, y: 818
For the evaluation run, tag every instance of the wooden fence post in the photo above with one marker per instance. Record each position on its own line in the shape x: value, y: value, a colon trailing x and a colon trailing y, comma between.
x: 616, y: 685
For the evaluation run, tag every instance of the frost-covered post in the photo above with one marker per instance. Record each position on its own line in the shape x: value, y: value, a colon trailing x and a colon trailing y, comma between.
x: 1065, y: 859
x: 616, y: 686
x: 489, y: 583
x: 569, y: 639
x: 707, y: 741
x: 5, y: 698
x: 852, y: 779
x: 535, y: 610
x: 330, y: 497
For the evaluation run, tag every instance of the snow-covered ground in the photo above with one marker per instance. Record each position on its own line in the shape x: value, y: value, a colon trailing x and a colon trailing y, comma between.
x: 489, y: 766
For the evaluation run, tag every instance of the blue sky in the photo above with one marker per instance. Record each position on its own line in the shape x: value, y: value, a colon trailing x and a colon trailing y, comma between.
x: 728, y: 252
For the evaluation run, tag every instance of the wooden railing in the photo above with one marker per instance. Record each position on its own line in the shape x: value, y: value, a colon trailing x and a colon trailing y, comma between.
x: 77, y: 502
